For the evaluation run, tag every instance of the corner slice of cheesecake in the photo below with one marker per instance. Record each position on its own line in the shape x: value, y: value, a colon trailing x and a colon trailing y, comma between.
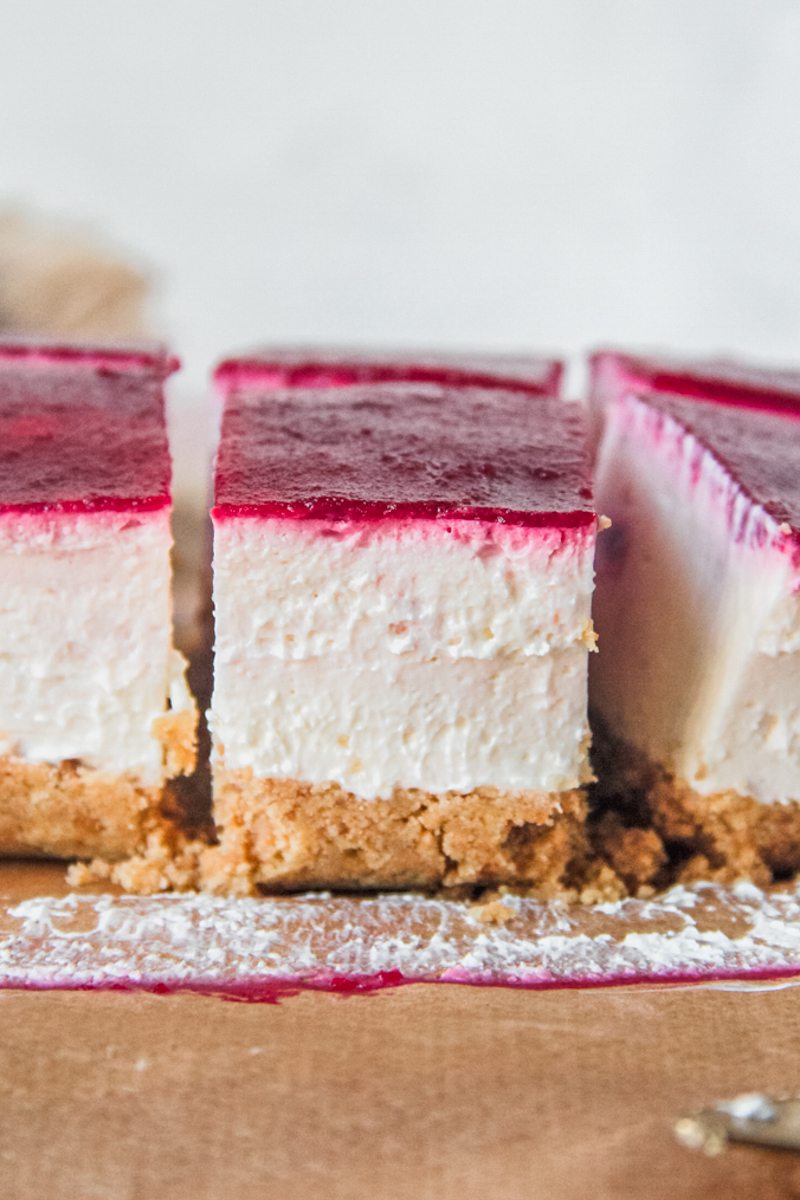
x: 94, y: 715
x: 402, y: 588
x: 307, y: 366
x: 697, y: 686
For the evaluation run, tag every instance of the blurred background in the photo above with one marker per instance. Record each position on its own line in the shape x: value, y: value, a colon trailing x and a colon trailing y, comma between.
x: 505, y: 173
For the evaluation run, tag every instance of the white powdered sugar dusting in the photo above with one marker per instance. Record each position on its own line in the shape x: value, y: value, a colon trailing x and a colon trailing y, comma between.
x: 698, y: 933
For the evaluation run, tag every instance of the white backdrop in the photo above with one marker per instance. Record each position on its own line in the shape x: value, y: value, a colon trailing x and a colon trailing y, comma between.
x: 505, y: 173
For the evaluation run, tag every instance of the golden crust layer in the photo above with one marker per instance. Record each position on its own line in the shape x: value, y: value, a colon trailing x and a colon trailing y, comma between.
x: 655, y: 829
x: 70, y: 811
x: 285, y: 834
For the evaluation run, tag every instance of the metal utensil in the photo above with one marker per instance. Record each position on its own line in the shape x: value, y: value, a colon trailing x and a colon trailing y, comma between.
x: 751, y: 1117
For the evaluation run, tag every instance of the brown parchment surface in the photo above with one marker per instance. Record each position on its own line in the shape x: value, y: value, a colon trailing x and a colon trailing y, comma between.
x: 424, y: 1091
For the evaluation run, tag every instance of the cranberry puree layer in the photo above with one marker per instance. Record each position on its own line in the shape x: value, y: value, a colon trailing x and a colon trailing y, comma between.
x: 298, y: 366
x: 149, y: 357
x: 403, y: 450
x: 723, y: 380
x: 82, y: 429
x: 758, y: 448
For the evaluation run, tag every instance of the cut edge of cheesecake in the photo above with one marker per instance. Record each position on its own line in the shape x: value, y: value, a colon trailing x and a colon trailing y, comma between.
x: 720, y: 547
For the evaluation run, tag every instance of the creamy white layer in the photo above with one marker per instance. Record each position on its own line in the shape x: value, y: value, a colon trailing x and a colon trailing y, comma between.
x: 85, y: 639
x: 697, y: 611
x: 409, y: 653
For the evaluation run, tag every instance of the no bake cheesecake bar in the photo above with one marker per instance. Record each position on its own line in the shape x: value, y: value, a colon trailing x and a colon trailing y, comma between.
x: 402, y: 588
x: 698, y: 614
x: 94, y: 714
x: 304, y: 366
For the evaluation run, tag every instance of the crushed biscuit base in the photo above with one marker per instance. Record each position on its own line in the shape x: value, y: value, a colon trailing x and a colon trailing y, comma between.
x: 285, y: 834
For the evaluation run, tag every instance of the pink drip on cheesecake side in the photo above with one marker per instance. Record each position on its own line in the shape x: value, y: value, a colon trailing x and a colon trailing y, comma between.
x: 756, y: 449
x: 483, y: 536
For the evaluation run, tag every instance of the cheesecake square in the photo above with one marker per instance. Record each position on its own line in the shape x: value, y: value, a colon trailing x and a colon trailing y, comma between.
x: 95, y: 718
x: 697, y: 687
x: 320, y: 366
x: 402, y: 587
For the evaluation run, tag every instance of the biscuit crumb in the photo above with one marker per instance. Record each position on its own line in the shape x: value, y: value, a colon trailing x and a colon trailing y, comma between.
x: 493, y: 911
x: 177, y: 732
x: 169, y: 862
x: 636, y: 854
x: 603, y: 886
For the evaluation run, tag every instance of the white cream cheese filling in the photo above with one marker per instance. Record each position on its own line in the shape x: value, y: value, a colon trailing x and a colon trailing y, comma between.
x: 697, y: 612
x: 86, y: 656
x: 403, y: 655
x: 473, y: 590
